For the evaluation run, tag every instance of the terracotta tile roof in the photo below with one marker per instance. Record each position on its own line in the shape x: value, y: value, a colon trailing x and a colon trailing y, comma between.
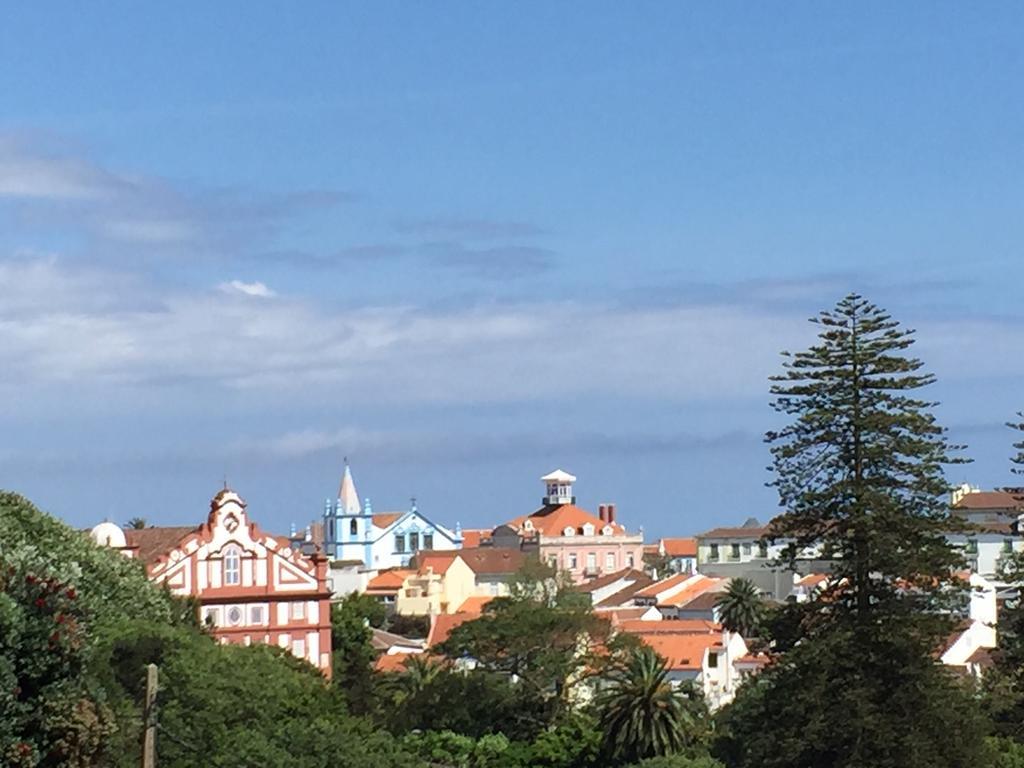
x: 391, y: 662
x: 443, y: 623
x: 388, y: 581
x: 982, y: 657
x: 651, y: 549
x: 440, y: 562
x: 626, y: 574
x: 991, y: 500
x: 743, y: 532
x: 680, y: 547
x: 384, y: 519
x: 626, y: 594
x: 681, y: 651
x: 812, y: 579
x: 474, y: 604
x: 472, y: 537
x: 670, y: 626
x: 553, y: 519
x: 755, y: 661
x: 687, y: 594
x: 155, y: 541
x: 661, y: 585
x: 493, y: 561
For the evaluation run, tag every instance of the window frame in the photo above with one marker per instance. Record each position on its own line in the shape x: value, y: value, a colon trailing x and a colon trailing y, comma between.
x: 231, y: 562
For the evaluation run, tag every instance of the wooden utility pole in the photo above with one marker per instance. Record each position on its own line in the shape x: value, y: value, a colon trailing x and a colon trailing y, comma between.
x: 149, y: 718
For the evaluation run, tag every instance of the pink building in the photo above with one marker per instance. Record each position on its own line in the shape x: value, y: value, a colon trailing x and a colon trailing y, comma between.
x: 572, y: 539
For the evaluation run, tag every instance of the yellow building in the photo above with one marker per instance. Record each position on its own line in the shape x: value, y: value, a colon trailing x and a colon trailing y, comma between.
x: 443, y: 581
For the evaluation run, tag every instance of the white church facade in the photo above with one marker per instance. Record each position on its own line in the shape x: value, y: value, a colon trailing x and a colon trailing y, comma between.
x: 352, y: 532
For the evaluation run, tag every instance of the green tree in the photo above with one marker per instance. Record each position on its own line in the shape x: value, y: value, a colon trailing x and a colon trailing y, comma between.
x: 352, y: 651
x: 641, y: 714
x: 544, y: 633
x: 48, y: 715
x: 741, y: 608
x: 859, y: 472
x: 136, y: 523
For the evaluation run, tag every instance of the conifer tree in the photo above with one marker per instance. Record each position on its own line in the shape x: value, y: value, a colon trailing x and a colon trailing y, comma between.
x: 859, y: 471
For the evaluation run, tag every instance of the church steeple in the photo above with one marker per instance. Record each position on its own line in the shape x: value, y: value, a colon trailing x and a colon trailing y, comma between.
x: 348, y: 499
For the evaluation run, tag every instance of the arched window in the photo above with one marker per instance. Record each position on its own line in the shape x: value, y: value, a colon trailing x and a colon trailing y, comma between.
x: 232, y: 566
x: 353, y: 528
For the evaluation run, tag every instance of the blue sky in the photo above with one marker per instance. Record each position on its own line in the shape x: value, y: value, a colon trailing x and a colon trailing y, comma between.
x: 464, y: 244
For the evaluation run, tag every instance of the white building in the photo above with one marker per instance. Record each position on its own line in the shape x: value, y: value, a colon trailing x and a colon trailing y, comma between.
x: 353, y: 533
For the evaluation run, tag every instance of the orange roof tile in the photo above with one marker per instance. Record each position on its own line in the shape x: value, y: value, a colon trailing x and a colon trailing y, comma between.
x: 812, y: 579
x: 384, y: 519
x: 493, y: 560
x: 471, y: 537
x: 660, y: 586
x: 553, y: 519
x: 991, y: 500
x: 474, y: 604
x: 388, y: 581
x: 681, y: 650
x: 680, y: 547
x: 671, y: 626
x: 391, y: 662
x: 443, y: 623
x: 440, y: 562
x: 700, y: 586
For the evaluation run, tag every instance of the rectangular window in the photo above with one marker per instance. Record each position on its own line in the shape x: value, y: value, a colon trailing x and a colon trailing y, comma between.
x: 211, y: 616
x: 1007, y: 546
x: 762, y: 549
x: 256, y: 614
x: 299, y: 648
x: 609, y: 561
x: 734, y: 552
x: 414, y: 541
x: 297, y: 611
x: 591, y: 561
x: 399, y: 543
x: 713, y: 552
x: 630, y: 560
x: 972, y: 547
x: 572, y: 561
x: 712, y: 660
x: 428, y: 541
x: 746, y: 550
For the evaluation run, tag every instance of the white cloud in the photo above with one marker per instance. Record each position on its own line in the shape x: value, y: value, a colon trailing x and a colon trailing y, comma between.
x: 257, y: 289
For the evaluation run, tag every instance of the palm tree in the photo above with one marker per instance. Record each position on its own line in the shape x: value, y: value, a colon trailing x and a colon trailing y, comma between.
x: 420, y: 671
x: 741, y: 608
x: 641, y: 715
x: 136, y: 523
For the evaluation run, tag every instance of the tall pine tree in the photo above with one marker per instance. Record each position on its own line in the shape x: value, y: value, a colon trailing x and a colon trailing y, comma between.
x: 859, y: 475
x: 859, y: 471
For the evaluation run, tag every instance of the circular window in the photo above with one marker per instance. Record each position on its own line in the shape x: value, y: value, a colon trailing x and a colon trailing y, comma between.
x: 234, y: 615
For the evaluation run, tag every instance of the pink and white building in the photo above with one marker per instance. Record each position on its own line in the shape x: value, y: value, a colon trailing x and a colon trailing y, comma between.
x: 252, y: 586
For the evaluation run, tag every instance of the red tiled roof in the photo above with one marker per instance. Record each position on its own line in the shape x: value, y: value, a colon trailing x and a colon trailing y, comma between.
x: 626, y: 594
x: 474, y: 605
x: 553, y: 519
x: 680, y: 547
x: 991, y: 500
x: 661, y: 585
x: 626, y: 574
x: 812, y: 579
x: 671, y: 626
x: 680, y: 650
x: 619, y: 615
x: 440, y: 562
x: 391, y: 662
x: 381, y: 640
x: 700, y: 586
x: 384, y: 519
x: 471, y: 537
x: 155, y: 541
x: 492, y: 560
x: 388, y: 581
x: 443, y: 623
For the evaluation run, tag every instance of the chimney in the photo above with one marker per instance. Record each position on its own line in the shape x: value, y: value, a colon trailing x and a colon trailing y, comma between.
x: 610, y: 512
x: 602, y: 512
